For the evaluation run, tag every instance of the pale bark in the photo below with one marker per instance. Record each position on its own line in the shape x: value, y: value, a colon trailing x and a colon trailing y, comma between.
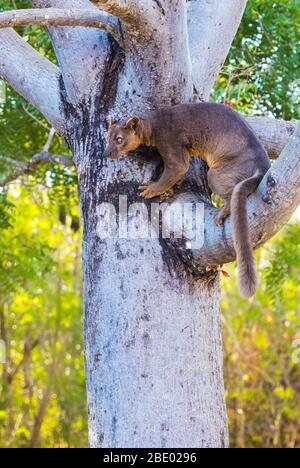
x: 274, y: 134
x: 32, y: 75
x: 161, y: 60
x: 154, y: 352
x: 132, y: 11
x: 83, y: 54
x: 212, y: 26
x: 60, y: 17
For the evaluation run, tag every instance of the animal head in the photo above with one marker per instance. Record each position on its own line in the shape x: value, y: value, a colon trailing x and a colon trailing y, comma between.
x: 123, y: 138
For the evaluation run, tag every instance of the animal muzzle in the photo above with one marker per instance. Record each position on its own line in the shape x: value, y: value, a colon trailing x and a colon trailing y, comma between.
x: 110, y: 153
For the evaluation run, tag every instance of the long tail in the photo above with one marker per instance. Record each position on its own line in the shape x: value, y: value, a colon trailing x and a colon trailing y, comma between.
x: 247, y: 277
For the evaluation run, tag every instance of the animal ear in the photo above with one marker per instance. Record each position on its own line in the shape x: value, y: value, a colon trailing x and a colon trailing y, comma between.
x: 132, y: 123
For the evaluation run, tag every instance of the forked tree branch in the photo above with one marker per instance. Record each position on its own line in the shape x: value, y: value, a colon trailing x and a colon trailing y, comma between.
x: 212, y: 26
x: 30, y: 166
x: 127, y: 10
x: 139, y: 18
x: 11, y: 162
x: 273, y: 133
x: 32, y: 75
x: 91, y: 46
x: 62, y: 17
x: 269, y: 209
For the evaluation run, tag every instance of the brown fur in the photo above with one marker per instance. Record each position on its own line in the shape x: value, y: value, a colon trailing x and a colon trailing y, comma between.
x: 237, y: 162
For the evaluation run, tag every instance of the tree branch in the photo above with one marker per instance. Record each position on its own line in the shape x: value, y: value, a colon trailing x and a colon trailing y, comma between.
x: 30, y: 166
x: 212, y: 27
x: 275, y: 201
x: 84, y: 76
x: 33, y: 117
x: 140, y: 18
x: 28, y: 348
x: 11, y: 162
x: 273, y: 133
x: 62, y: 17
x: 127, y: 10
x: 32, y: 75
x: 48, y: 143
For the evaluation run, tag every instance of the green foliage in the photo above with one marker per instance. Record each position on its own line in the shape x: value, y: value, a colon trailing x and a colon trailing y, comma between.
x: 285, y: 265
x: 6, y: 211
x: 261, y: 378
x: 16, y: 245
x: 35, y: 35
x: 262, y: 71
x: 261, y: 76
x: 24, y: 131
x: 42, y: 390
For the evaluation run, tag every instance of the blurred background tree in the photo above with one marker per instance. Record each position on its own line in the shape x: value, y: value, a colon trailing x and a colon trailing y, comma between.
x: 42, y: 390
x: 42, y: 400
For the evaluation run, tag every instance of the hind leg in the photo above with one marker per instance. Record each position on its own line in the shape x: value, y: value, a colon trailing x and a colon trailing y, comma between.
x: 223, y: 213
x: 222, y: 184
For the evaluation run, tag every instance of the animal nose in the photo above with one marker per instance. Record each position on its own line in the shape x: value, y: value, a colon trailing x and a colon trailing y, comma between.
x: 107, y: 153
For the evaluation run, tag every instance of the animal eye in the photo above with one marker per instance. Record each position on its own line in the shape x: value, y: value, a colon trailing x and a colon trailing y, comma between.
x: 119, y: 140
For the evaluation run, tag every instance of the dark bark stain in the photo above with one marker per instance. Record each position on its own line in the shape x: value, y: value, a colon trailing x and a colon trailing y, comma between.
x: 84, y: 122
x: 159, y: 4
x: 260, y: 237
x: 119, y: 253
x: 171, y: 259
x: 181, y: 263
x: 114, y: 431
x: 163, y: 442
x: 130, y: 343
x: 147, y: 155
x: 112, y: 192
x: 146, y: 317
x: 224, y: 238
x: 271, y: 181
x: 68, y: 109
x: 164, y: 427
x: 112, y: 70
x: 267, y: 198
x: 290, y: 130
x: 146, y: 340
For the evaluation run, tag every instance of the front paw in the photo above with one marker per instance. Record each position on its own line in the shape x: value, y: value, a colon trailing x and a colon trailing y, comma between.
x: 167, y: 195
x: 150, y: 191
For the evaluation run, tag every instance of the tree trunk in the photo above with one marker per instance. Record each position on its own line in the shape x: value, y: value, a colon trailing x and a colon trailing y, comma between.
x: 152, y: 313
x: 153, y: 350
x: 152, y: 330
x: 152, y: 334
